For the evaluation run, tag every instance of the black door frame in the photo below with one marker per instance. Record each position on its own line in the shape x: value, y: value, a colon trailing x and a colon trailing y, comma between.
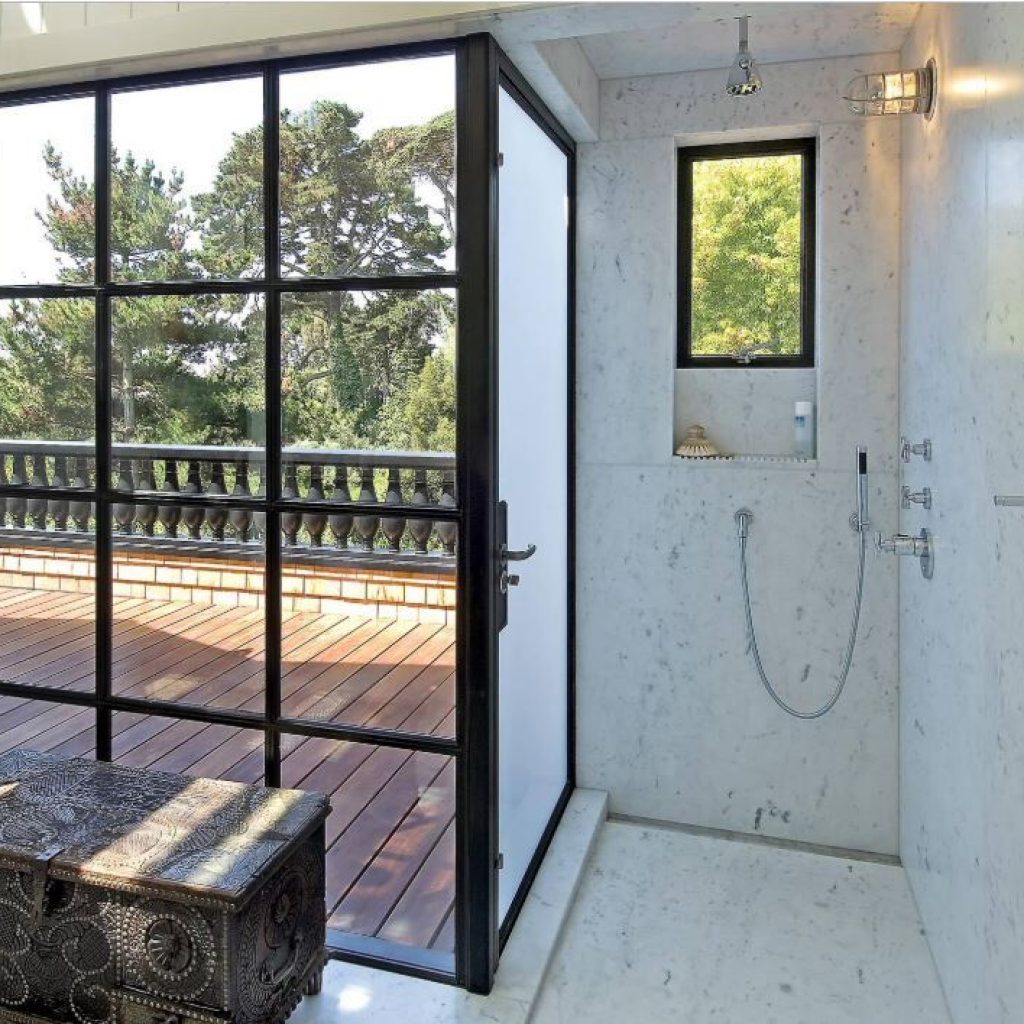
x: 487, y: 70
x: 480, y: 69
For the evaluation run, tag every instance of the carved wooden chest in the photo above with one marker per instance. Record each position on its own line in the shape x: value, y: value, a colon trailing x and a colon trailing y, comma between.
x: 135, y: 897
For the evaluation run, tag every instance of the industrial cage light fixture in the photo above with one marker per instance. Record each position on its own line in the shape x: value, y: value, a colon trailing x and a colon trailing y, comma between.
x: 894, y: 92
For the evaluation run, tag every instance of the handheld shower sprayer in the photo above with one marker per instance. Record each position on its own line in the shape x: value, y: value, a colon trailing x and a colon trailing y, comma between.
x: 860, y: 522
x: 863, y: 520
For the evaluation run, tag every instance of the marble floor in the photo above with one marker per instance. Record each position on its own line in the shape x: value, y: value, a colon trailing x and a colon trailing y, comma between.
x: 674, y: 927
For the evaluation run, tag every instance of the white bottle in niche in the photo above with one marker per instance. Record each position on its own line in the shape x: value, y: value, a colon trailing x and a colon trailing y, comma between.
x: 803, y: 429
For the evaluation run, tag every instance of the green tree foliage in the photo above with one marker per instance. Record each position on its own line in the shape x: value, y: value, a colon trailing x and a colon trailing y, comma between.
x: 46, y: 370
x: 371, y: 369
x: 746, y: 255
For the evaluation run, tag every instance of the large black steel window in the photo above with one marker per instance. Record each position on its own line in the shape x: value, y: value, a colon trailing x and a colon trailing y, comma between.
x: 746, y: 254
x: 97, y: 282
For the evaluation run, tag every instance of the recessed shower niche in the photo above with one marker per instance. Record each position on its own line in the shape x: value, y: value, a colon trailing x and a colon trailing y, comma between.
x: 747, y: 413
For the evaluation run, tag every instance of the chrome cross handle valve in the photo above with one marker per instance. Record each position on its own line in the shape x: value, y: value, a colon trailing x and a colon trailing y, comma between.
x: 921, y: 547
x: 909, y: 449
x: 922, y: 497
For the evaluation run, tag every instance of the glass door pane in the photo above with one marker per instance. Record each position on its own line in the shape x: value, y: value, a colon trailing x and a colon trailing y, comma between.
x: 368, y: 168
x: 533, y: 471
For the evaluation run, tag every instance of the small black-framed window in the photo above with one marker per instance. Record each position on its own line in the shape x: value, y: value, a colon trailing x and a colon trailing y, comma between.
x: 746, y: 254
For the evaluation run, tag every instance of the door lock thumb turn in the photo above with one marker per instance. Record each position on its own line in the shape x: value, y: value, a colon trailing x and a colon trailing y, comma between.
x: 507, y: 555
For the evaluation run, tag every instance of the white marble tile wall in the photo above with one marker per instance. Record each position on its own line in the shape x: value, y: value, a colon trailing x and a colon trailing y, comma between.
x: 962, y: 384
x: 672, y: 720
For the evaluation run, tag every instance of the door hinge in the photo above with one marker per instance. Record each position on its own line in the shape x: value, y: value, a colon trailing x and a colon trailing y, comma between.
x: 500, y: 861
x: 501, y: 159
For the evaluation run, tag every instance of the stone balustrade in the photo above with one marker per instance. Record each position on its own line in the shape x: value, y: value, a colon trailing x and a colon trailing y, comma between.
x: 220, y: 474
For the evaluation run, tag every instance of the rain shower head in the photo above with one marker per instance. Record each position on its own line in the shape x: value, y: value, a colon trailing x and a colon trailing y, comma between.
x: 744, y: 75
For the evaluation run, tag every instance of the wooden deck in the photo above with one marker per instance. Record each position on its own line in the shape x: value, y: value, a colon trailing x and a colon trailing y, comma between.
x: 390, y: 837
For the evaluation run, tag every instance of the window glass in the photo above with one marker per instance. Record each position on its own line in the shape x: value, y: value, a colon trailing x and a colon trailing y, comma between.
x: 187, y: 371
x: 390, y: 839
x: 48, y: 368
x: 368, y: 169
x: 369, y: 371
x: 746, y: 286
x: 47, y: 212
x: 187, y: 182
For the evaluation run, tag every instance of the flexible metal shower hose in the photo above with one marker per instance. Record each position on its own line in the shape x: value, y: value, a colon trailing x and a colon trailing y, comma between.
x: 847, y: 659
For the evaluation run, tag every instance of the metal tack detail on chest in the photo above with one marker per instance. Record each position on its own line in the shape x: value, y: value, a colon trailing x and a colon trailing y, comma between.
x: 139, y: 897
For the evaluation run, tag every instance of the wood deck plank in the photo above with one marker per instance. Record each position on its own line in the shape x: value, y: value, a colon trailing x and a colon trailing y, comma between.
x: 425, y: 906
x: 349, y: 857
x: 390, y: 859
x: 382, y: 883
x: 445, y: 938
x: 360, y: 667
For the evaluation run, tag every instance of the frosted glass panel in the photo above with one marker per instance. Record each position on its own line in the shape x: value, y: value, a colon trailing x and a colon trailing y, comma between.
x: 533, y: 425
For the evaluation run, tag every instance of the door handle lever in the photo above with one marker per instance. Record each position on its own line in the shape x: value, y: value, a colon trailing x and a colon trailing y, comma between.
x: 511, y: 555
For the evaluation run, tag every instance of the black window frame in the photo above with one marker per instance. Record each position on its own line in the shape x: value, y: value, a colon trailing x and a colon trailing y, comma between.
x: 807, y: 149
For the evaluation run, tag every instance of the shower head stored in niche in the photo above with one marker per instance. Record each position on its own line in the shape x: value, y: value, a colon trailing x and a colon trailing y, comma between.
x: 744, y: 75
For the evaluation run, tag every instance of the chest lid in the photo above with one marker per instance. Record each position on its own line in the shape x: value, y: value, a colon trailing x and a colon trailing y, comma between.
x: 131, y: 829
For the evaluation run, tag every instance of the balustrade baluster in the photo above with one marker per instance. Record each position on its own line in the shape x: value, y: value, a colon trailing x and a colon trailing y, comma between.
x: 447, y: 532
x: 291, y: 522
x: 365, y: 527
x: 37, y: 506
x: 145, y: 515
x: 315, y: 522
x: 58, y: 508
x: 124, y: 514
x: 19, y: 475
x: 393, y: 526
x: 80, y: 511
x: 3, y: 481
x: 192, y: 515
x: 341, y: 522
x: 241, y: 518
x: 170, y: 515
x: 216, y: 518
x: 259, y: 519
x: 420, y: 529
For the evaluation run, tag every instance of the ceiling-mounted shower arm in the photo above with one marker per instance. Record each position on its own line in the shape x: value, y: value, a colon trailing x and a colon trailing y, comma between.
x: 744, y: 21
x: 744, y: 75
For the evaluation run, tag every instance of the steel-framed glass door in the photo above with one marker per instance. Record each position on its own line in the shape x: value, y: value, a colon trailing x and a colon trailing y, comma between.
x: 249, y: 458
x: 230, y: 489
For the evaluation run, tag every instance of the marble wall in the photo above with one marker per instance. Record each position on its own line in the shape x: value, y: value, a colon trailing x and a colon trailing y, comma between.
x: 962, y: 384
x: 672, y: 720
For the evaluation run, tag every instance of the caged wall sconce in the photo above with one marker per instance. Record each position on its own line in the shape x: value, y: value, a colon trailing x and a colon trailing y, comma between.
x: 894, y: 92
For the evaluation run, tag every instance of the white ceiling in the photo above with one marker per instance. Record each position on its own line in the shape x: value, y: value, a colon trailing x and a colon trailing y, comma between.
x: 624, y: 40
x: 705, y: 36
